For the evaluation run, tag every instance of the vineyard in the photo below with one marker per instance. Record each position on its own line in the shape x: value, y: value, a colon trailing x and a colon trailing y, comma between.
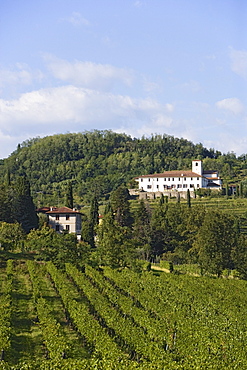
x: 107, y: 319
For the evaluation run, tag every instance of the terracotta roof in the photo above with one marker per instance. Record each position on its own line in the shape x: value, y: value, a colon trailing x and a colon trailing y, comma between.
x: 55, y: 210
x: 205, y: 172
x: 43, y: 209
x: 172, y: 174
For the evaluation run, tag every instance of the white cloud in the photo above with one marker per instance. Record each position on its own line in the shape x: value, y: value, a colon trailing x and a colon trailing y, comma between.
x: 239, y: 62
x: 68, y: 107
x: 19, y: 75
x: 88, y: 74
x: 233, y: 105
x: 76, y: 19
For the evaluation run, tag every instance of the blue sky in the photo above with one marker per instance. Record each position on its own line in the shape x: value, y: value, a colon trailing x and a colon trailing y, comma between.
x: 176, y: 67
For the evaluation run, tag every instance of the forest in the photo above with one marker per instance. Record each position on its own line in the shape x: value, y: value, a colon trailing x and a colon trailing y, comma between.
x: 97, y: 162
x: 93, y: 171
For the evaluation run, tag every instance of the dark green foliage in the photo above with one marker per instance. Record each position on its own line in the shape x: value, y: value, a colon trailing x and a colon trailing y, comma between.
x: 89, y: 224
x: 23, y: 206
x: 214, y: 242
x: 58, y: 248
x: 16, y: 204
x: 142, y: 230
x: 115, y: 246
x: 188, y: 199
x: 120, y: 206
x: 97, y: 161
x: 69, y: 196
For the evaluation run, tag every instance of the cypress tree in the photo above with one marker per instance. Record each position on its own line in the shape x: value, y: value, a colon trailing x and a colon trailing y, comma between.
x: 24, y: 209
x: 69, y: 196
x: 188, y: 199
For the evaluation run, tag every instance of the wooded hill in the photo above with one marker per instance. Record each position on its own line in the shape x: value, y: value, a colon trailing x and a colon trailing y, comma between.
x: 99, y: 161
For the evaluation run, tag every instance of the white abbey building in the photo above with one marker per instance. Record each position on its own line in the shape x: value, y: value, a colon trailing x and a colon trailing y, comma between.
x: 180, y: 181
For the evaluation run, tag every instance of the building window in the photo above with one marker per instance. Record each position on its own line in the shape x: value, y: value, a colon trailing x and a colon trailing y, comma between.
x: 179, y: 185
x: 184, y: 185
x: 191, y: 178
x: 157, y: 186
x: 197, y: 178
x: 149, y: 187
x: 173, y: 179
x: 164, y: 178
x: 67, y: 217
x: 57, y: 217
x: 67, y: 227
x: 57, y: 227
x: 179, y: 179
x: 141, y: 180
x: 168, y: 179
x: 184, y: 178
x: 198, y: 185
x: 157, y: 179
x: 191, y: 185
x: 149, y: 180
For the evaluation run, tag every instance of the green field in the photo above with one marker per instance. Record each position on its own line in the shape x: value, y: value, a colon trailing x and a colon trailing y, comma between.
x: 109, y: 319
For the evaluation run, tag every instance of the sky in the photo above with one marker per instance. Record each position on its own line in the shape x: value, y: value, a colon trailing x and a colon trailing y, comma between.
x: 142, y: 67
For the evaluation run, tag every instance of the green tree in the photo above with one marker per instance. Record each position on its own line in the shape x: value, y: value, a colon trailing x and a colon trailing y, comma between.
x: 142, y: 230
x: 58, y: 248
x: 69, y: 196
x: 214, y: 242
x: 239, y: 256
x: 188, y: 199
x: 11, y: 236
x: 23, y: 206
x: 114, y: 243
x: 120, y: 205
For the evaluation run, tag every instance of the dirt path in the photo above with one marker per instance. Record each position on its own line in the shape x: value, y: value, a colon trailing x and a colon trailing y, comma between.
x: 157, y: 268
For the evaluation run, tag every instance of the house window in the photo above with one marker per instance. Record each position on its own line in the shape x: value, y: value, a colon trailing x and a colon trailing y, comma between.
x: 149, y: 187
x: 179, y: 179
x: 149, y: 180
x: 198, y: 185
x: 67, y: 227
x: 197, y: 178
x: 191, y: 178
x: 157, y: 179
x: 179, y: 185
x: 157, y: 186
x: 168, y: 179
x: 67, y: 217
x: 57, y: 227
x: 164, y: 178
x: 196, y: 163
x: 191, y: 185
x: 173, y: 179
x: 184, y: 185
x: 57, y: 217
x: 141, y: 180
x: 184, y: 178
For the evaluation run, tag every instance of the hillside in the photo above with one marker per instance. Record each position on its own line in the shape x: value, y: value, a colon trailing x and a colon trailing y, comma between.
x: 109, y: 319
x: 99, y: 161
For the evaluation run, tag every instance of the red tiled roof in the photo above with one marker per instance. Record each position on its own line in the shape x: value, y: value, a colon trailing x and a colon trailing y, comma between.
x: 172, y: 174
x: 55, y: 210
x: 43, y: 209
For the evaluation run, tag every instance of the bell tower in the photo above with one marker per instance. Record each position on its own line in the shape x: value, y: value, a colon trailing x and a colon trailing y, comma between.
x: 197, y: 166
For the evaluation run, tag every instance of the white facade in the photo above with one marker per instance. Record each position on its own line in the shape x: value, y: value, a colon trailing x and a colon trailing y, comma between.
x: 180, y: 180
x: 65, y: 219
